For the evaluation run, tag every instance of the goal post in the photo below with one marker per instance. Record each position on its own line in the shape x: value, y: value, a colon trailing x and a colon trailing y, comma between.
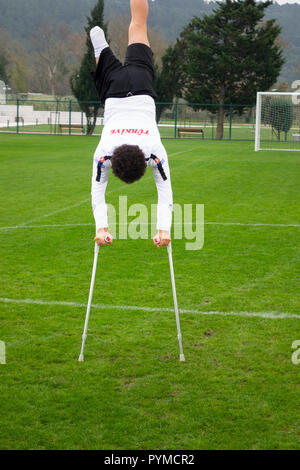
x: 277, y: 121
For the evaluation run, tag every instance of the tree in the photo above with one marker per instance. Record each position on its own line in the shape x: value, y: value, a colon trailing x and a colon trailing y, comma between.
x: 82, y: 83
x: 57, y: 53
x: 167, y: 80
x: 50, y: 68
x: 229, y: 55
x: 3, y: 67
x: 18, y: 74
x: 13, y: 63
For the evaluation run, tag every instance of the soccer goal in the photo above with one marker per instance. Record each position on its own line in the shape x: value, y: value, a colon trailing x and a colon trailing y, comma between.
x: 277, y: 121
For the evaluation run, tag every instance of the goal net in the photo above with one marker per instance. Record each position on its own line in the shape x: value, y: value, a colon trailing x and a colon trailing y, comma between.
x: 277, y: 121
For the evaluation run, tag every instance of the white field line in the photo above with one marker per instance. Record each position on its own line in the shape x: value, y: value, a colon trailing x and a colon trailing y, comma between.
x: 238, y: 224
x: 252, y: 224
x: 269, y: 315
x: 44, y: 226
x: 183, y: 151
x: 64, y: 209
x: 54, y: 213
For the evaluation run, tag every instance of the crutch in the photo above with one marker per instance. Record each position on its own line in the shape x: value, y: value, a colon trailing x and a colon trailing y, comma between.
x: 181, y: 357
x: 86, y: 324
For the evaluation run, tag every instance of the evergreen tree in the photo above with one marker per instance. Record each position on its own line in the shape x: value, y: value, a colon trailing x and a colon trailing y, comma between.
x: 230, y: 55
x: 82, y: 83
x: 3, y: 65
x: 167, y: 80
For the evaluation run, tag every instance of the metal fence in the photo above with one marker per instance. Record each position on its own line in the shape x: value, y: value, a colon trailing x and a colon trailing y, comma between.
x: 175, y: 120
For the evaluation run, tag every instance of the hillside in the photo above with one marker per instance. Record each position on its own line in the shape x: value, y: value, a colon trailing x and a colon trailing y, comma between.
x: 20, y: 18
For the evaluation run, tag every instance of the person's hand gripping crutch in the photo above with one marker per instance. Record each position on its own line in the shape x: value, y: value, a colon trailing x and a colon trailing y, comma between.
x: 103, y: 237
x: 162, y: 238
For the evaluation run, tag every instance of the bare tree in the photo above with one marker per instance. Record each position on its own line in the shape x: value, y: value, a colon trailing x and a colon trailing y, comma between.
x: 51, y: 59
x: 76, y: 46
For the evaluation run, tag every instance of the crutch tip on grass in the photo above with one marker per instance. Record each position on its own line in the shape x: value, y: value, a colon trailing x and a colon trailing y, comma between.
x: 81, y: 358
x: 169, y: 249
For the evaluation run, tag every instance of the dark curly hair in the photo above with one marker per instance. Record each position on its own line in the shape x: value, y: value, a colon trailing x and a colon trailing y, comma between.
x: 128, y: 163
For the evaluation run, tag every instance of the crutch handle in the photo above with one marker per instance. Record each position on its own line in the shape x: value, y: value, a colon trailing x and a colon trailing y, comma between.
x: 169, y: 247
x: 108, y: 239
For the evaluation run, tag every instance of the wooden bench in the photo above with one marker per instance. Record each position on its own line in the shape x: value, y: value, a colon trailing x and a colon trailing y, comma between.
x: 74, y: 127
x: 190, y: 131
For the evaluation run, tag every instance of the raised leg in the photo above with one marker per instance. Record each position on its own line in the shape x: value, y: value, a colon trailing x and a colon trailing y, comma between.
x: 138, y: 26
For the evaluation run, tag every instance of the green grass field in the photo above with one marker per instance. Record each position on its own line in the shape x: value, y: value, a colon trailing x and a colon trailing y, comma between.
x: 238, y: 388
